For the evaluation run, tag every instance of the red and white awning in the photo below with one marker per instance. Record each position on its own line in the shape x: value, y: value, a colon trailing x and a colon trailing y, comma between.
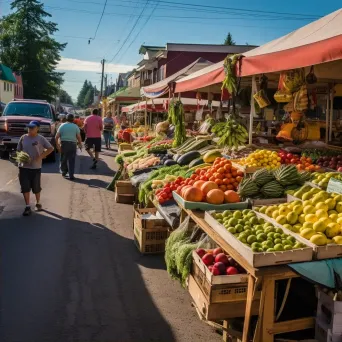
x: 161, y: 105
x: 314, y: 44
x: 162, y: 87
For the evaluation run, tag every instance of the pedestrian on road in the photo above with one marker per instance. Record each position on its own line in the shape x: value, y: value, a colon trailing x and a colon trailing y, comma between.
x: 38, y: 148
x: 67, y: 139
x: 93, y: 128
x: 108, y: 126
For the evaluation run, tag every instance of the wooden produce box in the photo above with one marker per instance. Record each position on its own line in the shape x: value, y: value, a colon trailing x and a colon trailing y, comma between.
x: 221, y: 288
x: 125, y: 192
x: 319, y: 252
x: 150, y: 241
x: 124, y: 198
x: 269, y: 201
x: 262, y: 258
x: 146, y: 223
x: 218, y: 311
x: 123, y: 148
x: 207, y: 206
x: 245, y: 168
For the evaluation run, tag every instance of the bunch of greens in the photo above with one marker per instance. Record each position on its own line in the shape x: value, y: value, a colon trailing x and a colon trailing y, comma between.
x: 176, y: 117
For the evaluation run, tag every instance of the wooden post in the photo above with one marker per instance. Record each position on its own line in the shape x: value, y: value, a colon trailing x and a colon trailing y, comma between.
x: 331, y: 113
x: 146, y: 116
x: 250, y: 295
x: 268, y: 287
x: 252, y: 112
x: 327, y: 111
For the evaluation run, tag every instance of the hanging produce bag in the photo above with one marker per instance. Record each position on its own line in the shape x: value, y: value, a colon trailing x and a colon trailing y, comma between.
x: 301, y: 101
x: 293, y: 80
x: 261, y: 98
x: 281, y: 95
x: 311, y: 77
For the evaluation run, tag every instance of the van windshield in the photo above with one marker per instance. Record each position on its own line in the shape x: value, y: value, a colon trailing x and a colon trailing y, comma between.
x: 28, y: 109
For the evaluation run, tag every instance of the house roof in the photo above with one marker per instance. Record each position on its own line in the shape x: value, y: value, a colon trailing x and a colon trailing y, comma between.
x: 6, y: 74
x: 216, y: 48
x: 144, y: 48
x: 125, y: 93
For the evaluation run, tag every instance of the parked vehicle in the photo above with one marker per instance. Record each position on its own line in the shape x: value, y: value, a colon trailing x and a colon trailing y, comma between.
x: 15, y: 117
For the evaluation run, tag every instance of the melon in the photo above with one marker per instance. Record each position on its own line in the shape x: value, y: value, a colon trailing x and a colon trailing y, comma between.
x: 182, y: 192
x: 193, y: 194
x: 215, y: 196
x: 198, y: 184
x: 230, y: 196
x: 207, y: 186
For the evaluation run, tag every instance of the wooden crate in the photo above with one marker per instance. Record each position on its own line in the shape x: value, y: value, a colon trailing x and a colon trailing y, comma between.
x: 150, y: 241
x: 125, y: 148
x: 124, y: 198
x: 245, y: 168
x: 145, y: 223
x: 218, y: 311
x: 125, y: 187
x: 319, y: 252
x: 270, y: 201
x: 262, y: 258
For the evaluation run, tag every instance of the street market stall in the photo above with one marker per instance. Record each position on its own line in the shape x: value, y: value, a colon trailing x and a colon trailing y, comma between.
x: 252, y: 231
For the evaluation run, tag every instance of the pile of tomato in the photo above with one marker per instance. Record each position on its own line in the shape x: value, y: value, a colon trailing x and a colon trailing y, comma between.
x: 222, y: 173
x: 165, y: 194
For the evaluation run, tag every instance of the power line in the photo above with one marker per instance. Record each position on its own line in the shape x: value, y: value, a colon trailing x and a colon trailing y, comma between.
x: 98, y: 25
x: 130, y: 32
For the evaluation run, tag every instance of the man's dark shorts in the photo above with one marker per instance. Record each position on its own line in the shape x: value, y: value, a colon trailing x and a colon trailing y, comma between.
x: 93, y: 143
x: 30, y: 180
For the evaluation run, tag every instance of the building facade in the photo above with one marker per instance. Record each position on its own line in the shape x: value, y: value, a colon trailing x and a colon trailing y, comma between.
x: 7, y: 84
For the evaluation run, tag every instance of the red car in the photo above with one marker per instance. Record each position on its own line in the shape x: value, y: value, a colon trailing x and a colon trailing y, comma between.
x: 17, y: 114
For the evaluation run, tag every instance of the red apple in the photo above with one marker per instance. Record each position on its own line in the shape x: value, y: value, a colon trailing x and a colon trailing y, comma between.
x: 201, y: 252
x: 231, y: 270
x: 210, y: 268
x: 217, y: 251
x: 208, y: 259
x: 220, y: 266
x: 222, y: 258
x: 215, y: 271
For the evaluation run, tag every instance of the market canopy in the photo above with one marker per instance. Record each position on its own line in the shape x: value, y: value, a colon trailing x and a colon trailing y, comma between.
x: 162, y: 87
x: 161, y: 105
x: 125, y: 94
x: 317, y: 43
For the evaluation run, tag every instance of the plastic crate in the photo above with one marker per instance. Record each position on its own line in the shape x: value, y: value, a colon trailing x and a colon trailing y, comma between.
x: 324, y: 334
x: 150, y: 241
x: 329, y: 312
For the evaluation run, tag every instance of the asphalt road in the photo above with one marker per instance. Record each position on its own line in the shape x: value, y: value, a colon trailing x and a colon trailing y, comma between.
x: 73, y: 273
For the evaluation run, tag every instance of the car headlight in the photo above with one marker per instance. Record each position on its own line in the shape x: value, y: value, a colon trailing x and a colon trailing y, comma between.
x: 3, y: 126
x: 45, y: 129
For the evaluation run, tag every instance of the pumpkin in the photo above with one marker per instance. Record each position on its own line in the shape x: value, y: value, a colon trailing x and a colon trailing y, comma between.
x: 230, y: 196
x: 215, y: 196
x: 207, y: 186
x: 193, y: 194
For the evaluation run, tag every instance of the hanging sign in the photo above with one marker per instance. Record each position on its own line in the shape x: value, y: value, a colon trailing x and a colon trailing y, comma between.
x: 334, y: 186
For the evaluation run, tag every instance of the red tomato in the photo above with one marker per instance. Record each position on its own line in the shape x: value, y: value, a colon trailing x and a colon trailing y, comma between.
x: 198, y: 171
x: 194, y: 176
x: 191, y: 182
x: 167, y: 189
x: 158, y: 191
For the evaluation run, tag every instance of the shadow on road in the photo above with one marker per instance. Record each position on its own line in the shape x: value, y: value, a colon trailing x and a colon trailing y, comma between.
x: 67, y: 280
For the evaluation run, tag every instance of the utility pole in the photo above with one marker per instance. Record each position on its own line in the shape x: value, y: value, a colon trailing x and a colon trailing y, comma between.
x: 105, y: 84
x: 102, y: 77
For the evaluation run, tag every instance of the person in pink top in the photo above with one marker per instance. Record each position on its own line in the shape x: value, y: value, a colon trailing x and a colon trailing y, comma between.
x: 93, y: 128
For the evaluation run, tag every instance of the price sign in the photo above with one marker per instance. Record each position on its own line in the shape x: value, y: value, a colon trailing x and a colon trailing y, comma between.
x: 335, y: 186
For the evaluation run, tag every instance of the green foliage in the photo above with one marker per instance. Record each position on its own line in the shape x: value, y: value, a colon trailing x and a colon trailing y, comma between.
x: 27, y: 46
x: 229, y: 40
x: 64, y: 97
x: 86, y: 96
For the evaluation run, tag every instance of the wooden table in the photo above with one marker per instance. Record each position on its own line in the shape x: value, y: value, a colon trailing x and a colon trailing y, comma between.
x: 265, y: 277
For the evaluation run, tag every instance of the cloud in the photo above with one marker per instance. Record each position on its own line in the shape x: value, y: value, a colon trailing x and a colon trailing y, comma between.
x: 79, y: 65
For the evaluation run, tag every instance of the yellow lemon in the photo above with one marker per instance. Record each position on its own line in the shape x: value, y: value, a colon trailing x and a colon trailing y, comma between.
x: 307, y: 233
x: 319, y: 226
x: 339, y: 207
x: 305, y: 203
x: 298, y: 209
x: 275, y: 214
x: 337, y: 240
x: 281, y: 219
x: 284, y: 210
x: 292, y: 218
x: 309, y: 209
x: 331, y: 203
x: 319, y: 239
x: 308, y: 225
x: 311, y: 218
x: 333, y: 217
x: 301, y: 218
x: 333, y: 230
x: 321, y: 213
x: 322, y: 206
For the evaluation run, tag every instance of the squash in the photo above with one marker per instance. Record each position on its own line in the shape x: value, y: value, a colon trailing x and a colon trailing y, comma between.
x: 215, y: 196
x: 210, y: 156
x: 186, y: 158
x: 195, y: 162
x: 175, y: 157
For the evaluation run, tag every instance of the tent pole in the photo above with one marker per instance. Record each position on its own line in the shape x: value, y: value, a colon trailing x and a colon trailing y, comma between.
x: 331, y: 113
x: 327, y: 117
x: 252, y: 111
x: 145, y: 116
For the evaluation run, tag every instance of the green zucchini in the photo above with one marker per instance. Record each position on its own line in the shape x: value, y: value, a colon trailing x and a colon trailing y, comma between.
x: 196, y: 162
x: 188, y: 157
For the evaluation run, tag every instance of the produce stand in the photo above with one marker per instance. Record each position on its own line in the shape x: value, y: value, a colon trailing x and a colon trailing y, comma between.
x: 267, y: 328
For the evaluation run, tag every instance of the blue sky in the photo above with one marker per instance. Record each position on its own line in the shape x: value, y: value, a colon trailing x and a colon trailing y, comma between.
x: 163, y: 22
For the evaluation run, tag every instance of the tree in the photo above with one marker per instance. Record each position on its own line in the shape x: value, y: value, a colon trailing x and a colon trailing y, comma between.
x: 27, y: 47
x: 89, y: 98
x: 64, y: 97
x: 229, y: 40
x: 82, y: 94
